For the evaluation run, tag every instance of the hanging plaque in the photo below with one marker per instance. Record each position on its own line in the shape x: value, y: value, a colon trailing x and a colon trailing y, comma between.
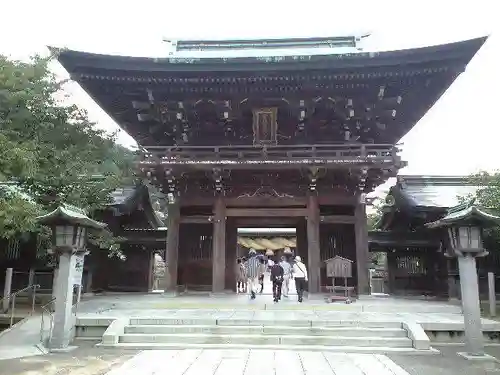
x: 265, y: 125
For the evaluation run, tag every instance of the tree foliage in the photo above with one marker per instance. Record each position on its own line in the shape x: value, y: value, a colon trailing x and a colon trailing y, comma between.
x: 52, y: 150
x: 487, y: 195
x: 375, y: 214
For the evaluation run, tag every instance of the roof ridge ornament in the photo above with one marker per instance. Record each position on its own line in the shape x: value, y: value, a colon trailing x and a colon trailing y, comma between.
x: 198, y: 45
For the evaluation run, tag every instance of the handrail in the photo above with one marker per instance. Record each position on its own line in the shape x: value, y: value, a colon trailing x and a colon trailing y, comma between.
x: 12, y: 301
x: 45, y: 309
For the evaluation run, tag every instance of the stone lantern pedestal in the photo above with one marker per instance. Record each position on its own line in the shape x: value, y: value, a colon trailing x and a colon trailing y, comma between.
x: 69, y: 231
x: 464, y: 225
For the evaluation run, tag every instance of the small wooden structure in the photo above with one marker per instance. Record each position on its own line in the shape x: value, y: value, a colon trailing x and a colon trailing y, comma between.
x: 339, y: 267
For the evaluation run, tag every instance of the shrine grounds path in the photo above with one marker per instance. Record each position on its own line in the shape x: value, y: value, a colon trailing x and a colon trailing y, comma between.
x: 91, y: 360
x: 88, y: 359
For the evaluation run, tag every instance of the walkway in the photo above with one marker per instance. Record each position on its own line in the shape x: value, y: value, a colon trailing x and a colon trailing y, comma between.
x: 22, y: 340
x: 256, y: 362
x: 91, y: 360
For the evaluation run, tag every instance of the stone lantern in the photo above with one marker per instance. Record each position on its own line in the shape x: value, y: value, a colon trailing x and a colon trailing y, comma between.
x: 464, y: 225
x: 69, y: 226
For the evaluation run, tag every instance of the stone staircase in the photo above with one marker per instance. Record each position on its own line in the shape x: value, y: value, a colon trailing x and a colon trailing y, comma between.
x: 342, y: 336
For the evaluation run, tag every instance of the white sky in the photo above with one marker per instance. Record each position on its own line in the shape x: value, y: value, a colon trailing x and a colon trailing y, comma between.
x: 458, y: 136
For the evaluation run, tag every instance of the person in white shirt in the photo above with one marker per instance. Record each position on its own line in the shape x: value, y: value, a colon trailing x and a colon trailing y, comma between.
x: 299, y: 272
x: 270, y: 264
x: 287, y: 274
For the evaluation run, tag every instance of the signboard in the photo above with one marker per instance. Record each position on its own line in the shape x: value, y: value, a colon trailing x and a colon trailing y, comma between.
x: 339, y: 267
x: 78, y: 272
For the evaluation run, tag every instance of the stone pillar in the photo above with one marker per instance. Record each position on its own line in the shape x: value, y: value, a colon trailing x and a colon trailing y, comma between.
x: 7, y: 289
x: 219, y: 246
x: 151, y: 271
x: 361, y: 233
x: 313, y: 249
x: 172, y: 251
x: 492, y: 297
x: 31, y: 282
x: 64, y: 320
x: 54, y: 282
x: 474, y: 344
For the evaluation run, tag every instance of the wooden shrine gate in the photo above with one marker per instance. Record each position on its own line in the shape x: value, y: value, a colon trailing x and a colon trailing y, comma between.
x: 202, y: 241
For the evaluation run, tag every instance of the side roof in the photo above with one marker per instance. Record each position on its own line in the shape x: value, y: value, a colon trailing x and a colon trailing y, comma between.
x: 431, y: 191
x: 129, y: 198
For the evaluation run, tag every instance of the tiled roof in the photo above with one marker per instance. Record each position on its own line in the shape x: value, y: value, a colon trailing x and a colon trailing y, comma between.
x: 435, y: 191
x: 120, y: 196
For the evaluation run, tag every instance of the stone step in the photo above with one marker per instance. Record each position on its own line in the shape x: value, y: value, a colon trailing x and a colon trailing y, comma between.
x: 267, y: 330
x: 313, y: 348
x: 264, y: 323
x: 391, y: 342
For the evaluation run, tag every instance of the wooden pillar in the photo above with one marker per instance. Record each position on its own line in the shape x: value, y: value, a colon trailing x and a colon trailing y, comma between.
x: 453, y: 280
x: 313, y: 250
x: 301, y: 234
x: 431, y: 272
x: 392, y: 267
x: 361, y: 230
x: 172, y: 253
x: 231, y: 253
x: 219, y: 246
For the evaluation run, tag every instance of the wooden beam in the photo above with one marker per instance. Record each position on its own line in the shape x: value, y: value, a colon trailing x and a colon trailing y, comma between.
x: 196, y: 219
x: 266, y: 202
x: 337, y: 199
x: 263, y: 222
x: 266, y: 212
x: 337, y: 219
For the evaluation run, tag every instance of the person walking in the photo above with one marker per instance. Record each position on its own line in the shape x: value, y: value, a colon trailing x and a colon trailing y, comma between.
x: 245, y: 279
x: 287, y: 275
x: 299, y: 272
x: 240, y: 275
x: 277, y: 280
x: 262, y: 272
x: 253, y: 269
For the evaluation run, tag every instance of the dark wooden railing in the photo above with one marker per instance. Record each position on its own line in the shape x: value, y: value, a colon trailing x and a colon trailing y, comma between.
x: 352, y: 154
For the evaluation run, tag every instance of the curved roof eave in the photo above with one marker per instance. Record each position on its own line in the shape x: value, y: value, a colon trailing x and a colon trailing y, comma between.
x: 463, y: 51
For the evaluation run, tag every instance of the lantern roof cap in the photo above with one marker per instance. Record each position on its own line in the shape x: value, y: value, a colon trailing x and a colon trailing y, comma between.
x: 466, y: 214
x: 70, y: 214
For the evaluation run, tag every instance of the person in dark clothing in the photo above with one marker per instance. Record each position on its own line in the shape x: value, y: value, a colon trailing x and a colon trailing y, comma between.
x: 277, y: 274
x: 261, y: 273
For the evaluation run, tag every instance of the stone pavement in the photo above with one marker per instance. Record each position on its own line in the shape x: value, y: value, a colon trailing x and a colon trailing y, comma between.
x: 22, y: 340
x: 89, y: 360
x: 256, y: 362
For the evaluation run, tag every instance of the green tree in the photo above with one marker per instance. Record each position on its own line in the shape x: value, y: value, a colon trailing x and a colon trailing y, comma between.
x: 375, y: 214
x: 487, y: 195
x: 51, y: 150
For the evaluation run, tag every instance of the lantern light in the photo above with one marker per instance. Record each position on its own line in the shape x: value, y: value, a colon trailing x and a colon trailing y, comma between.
x: 465, y: 238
